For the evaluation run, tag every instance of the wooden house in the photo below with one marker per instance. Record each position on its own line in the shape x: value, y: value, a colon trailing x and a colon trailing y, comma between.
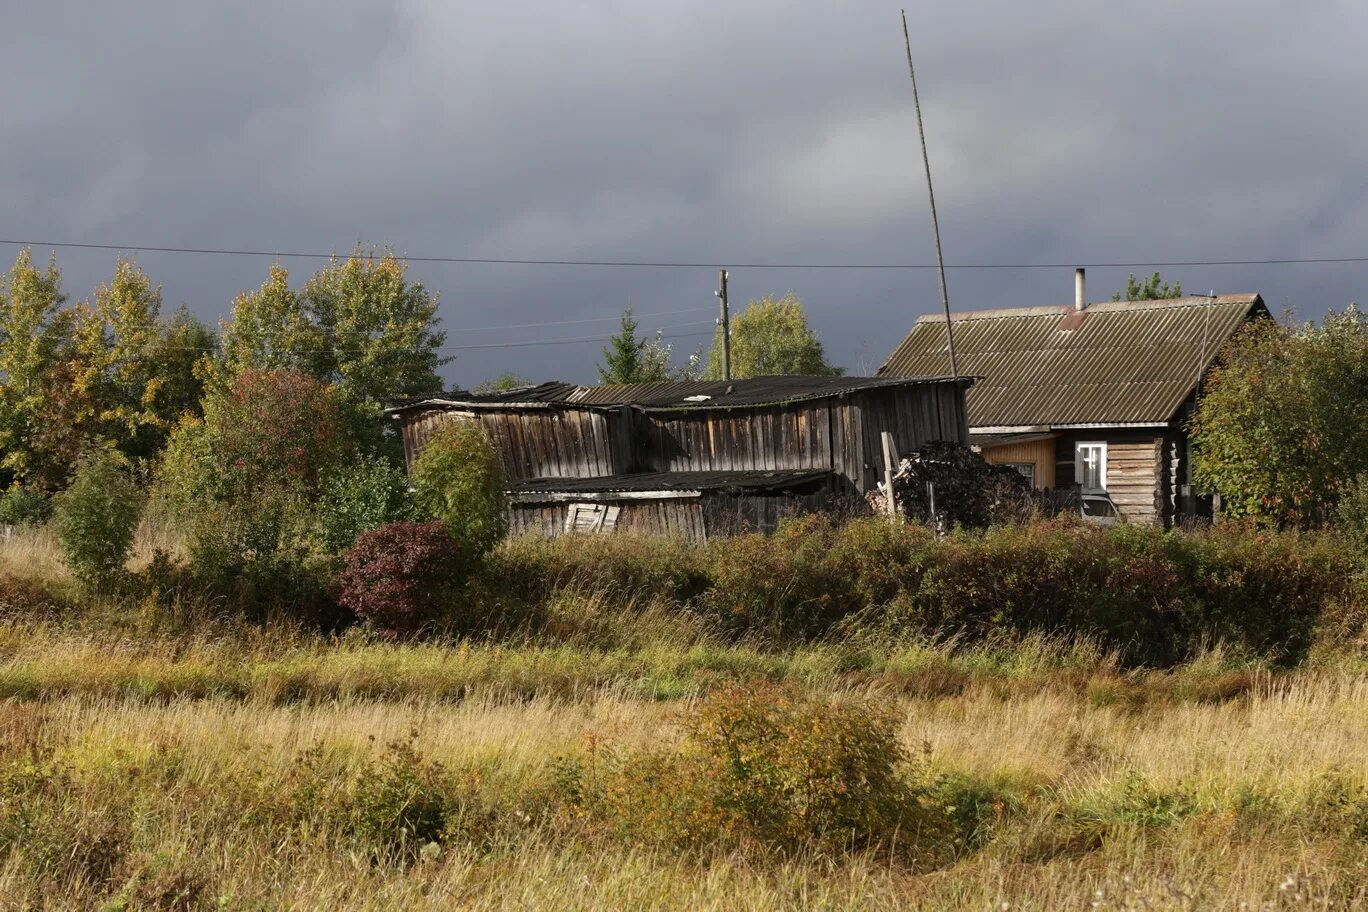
x: 695, y: 458
x: 1095, y: 396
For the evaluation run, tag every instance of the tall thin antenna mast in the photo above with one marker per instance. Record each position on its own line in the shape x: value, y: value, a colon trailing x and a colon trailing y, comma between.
x: 935, y: 223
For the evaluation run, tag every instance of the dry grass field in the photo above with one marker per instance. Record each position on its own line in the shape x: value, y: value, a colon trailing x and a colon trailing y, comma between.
x: 225, y: 766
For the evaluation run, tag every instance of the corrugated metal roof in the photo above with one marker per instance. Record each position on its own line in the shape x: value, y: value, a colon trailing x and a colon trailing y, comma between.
x: 670, y: 395
x: 540, y: 394
x: 675, y: 481
x: 1115, y: 363
x: 753, y: 391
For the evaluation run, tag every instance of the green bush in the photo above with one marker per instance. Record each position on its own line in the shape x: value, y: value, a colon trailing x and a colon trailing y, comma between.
x: 1353, y: 513
x: 358, y: 496
x: 97, y: 517
x: 244, y: 486
x: 21, y: 506
x: 624, y: 567
x: 763, y: 766
x: 460, y: 480
x: 1151, y: 596
x: 401, y: 803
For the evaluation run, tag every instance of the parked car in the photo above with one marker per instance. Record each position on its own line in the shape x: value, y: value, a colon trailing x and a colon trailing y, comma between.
x: 1099, y: 509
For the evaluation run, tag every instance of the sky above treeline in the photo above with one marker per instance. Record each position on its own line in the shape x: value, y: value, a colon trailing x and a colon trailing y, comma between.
x: 701, y: 132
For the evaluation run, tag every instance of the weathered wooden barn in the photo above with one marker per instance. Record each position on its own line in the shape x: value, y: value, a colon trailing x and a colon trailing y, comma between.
x: 694, y: 458
x: 1095, y: 396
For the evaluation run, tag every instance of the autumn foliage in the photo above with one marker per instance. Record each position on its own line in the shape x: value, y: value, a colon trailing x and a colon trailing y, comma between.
x: 400, y: 577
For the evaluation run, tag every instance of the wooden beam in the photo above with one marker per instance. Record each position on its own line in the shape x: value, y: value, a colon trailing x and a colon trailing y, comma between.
x: 596, y: 496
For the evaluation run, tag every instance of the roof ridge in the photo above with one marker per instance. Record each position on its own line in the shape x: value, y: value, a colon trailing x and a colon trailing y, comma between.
x: 1055, y: 310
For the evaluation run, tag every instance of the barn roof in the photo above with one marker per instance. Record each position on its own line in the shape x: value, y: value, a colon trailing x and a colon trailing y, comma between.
x: 672, y: 395
x: 1132, y: 362
x: 753, y: 391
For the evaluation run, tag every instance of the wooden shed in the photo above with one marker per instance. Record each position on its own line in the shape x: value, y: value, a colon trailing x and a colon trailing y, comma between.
x: 696, y: 458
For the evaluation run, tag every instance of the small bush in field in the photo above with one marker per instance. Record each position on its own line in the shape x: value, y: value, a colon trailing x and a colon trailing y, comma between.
x: 400, y: 804
x: 358, y: 496
x: 400, y: 577
x: 460, y: 480
x: 762, y: 766
x: 97, y: 516
x: 21, y: 506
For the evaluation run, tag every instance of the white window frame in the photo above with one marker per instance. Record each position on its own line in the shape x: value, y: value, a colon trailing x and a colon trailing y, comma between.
x: 1030, y: 470
x: 1079, y: 447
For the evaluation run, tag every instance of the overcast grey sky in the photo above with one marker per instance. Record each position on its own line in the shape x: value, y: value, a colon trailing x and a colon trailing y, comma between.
x: 744, y: 131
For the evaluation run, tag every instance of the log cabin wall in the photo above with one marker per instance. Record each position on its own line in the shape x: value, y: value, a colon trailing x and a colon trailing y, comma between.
x: 1136, y: 469
x: 537, y: 443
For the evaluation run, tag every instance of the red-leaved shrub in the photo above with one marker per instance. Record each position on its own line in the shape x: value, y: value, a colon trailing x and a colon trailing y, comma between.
x: 401, y: 576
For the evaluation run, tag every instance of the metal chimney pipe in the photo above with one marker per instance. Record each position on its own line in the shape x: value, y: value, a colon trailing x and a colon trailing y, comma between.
x: 1080, y: 296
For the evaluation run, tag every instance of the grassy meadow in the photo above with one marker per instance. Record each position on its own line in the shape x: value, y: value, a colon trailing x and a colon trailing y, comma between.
x: 163, y: 754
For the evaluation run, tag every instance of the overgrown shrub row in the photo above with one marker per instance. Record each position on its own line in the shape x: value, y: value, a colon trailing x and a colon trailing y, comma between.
x: 1156, y: 597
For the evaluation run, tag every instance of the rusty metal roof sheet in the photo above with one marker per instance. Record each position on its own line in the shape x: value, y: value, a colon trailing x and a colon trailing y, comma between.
x: 1114, y: 363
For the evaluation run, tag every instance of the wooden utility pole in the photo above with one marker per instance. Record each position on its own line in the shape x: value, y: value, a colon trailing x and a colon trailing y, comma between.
x: 935, y: 223
x: 724, y: 321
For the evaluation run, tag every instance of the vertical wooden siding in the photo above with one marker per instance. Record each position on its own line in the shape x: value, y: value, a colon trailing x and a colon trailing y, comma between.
x: 914, y: 415
x: 545, y: 443
x: 1039, y: 453
x: 713, y: 514
x: 784, y: 437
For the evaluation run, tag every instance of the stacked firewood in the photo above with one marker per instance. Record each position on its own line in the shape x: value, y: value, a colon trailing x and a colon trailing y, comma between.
x: 949, y: 485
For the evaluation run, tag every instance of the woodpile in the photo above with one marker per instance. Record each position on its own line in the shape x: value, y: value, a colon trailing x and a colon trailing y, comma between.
x: 948, y: 485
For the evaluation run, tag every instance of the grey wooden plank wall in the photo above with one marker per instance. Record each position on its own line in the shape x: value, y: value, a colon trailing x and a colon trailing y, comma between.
x: 550, y: 443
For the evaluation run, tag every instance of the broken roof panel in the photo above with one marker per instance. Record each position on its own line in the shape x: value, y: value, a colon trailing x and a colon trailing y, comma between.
x: 669, y: 395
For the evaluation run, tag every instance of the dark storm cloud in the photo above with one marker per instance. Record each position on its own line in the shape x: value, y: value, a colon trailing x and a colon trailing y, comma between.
x: 704, y: 131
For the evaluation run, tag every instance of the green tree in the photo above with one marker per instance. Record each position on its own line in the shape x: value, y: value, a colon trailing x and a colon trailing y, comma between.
x: 269, y: 330
x: 118, y: 334
x: 379, y: 329
x: 459, y: 479
x: 1151, y: 289
x: 97, y: 517
x: 628, y: 359
x: 500, y: 384
x: 244, y: 482
x: 358, y: 323
x: 184, y: 341
x: 1282, y: 424
x: 35, y: 343
x: 771, y: 336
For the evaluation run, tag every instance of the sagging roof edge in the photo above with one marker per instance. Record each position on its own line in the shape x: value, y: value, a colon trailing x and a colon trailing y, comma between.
x: 474, y: 405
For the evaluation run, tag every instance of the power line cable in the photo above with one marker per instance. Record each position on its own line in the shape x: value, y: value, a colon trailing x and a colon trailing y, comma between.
x: 658, y: 313
x: 516, y: 344
x: 698, y: 264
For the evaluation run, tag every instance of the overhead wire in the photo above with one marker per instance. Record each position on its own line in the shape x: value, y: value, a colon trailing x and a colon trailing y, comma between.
x: 692, y: 264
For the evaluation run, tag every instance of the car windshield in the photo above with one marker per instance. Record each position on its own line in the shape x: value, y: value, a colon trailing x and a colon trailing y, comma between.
x: 1098, y: 506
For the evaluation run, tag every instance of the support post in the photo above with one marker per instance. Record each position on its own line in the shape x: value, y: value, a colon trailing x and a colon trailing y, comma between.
x: 888, y: 451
